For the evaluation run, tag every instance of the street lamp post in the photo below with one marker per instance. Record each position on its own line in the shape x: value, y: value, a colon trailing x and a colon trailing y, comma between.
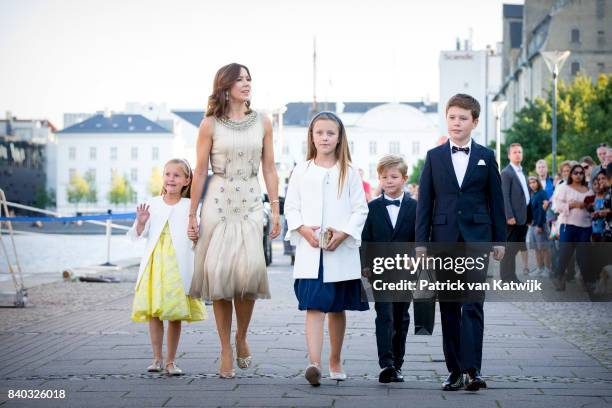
x: 554, y: 61
x: 498, y: 108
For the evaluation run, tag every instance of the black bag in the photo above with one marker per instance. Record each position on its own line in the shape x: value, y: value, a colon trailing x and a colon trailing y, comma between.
x: 424, y: 305
x: 424, y: 316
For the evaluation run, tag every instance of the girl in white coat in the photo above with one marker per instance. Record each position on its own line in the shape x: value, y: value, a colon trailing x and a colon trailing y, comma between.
x: 326, y: 198
x: 166, y: 267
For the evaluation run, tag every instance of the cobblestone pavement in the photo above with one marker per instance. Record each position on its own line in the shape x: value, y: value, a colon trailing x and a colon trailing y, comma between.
x: 78, y: 338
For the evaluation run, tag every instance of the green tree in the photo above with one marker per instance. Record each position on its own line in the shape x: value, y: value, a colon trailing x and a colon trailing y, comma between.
x: 77, y: 189
x: 44, y: 198
x: 121, y: 192
x: 155, y: 182
x: 584, y: 119
x: 92, y: 194
x: 415, y: 173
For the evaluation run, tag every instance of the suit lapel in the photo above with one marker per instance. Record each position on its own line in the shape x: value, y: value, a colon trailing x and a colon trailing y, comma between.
x: 400, y: 215
x: 384, y: 212
x: 474, y: 157
x: 447, y: 162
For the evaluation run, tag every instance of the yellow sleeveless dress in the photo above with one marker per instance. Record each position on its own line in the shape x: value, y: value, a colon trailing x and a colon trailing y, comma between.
x: 160, y: 292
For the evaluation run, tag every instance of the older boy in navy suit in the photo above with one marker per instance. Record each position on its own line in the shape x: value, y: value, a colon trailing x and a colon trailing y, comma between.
x: 391, y: 219
x: 461, y: 200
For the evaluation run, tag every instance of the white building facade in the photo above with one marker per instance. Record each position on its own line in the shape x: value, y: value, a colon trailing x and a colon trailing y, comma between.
x: 128, y: 145
x: 477, y: 73
x: 390, y: 128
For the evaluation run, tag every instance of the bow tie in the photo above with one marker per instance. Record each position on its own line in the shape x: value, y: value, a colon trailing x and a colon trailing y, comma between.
x: 456, y: 149
x: 391, y: 202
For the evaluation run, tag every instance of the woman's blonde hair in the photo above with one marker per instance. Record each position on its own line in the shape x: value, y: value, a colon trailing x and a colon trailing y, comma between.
x: 342, y: 153
x: 186, y: 168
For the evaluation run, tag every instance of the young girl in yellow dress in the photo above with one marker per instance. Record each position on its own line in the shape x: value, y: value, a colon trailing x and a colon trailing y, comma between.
x: 166, y: 267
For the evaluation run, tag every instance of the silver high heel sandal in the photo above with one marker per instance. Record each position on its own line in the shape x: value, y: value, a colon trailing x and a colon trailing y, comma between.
x: 243, y: 362
x: 156, y: 367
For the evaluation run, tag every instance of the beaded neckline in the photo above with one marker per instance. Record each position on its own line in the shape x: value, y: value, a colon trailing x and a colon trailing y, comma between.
x: 243, y: 124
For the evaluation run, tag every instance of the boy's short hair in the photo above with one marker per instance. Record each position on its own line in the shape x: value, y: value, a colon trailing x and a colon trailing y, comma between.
x: 465, y: 101
x: 392, y: 160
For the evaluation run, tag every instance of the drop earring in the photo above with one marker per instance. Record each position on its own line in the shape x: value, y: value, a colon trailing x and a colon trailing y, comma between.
x: 227, y: 96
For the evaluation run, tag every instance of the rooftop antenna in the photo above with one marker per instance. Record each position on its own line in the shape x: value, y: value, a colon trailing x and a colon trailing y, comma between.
x: 314, y: 109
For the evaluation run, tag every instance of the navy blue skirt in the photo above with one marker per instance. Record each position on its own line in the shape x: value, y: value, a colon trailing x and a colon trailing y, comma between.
x: 314, y: 294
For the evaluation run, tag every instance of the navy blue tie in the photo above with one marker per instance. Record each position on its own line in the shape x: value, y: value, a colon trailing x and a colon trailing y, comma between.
x: 391, y: 202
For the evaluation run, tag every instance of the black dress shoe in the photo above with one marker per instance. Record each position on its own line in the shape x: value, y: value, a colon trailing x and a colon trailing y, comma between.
x: 386, y: 375
x: 474, y: 381
x: 397, y: 376
x: 453, y: 382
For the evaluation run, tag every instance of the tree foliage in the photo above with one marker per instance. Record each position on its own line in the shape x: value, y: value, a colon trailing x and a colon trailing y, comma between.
x: 584, y: 119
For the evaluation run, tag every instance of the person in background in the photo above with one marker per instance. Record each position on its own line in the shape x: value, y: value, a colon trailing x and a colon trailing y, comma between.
x: 538, y: 231
x: 517, y: 209
x: 576, y: 227
x: 545, y: 180
x: 588, y: 164
x: 366, y: 187
x: 604, y: 155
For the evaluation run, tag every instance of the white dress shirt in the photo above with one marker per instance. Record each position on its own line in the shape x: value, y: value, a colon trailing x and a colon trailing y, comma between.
x: 460, y: 160
x: 519, y: 172
x: 393, y: 210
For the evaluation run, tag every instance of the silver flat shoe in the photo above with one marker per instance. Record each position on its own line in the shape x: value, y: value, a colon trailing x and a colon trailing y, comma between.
x: 244, y: 362
x: 313, y: 375
x: 156, y: 367
x: 173, y: 370
x: 338, y: 376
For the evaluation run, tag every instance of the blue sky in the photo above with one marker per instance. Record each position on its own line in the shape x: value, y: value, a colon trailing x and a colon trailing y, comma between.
x: 81, y: 56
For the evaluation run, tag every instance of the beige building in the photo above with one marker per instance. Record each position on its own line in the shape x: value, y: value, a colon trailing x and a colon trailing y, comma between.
x: 581, y: 26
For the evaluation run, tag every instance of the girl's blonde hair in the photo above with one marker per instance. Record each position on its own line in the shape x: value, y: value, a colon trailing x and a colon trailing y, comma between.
x: 186, y: 190
x: 342, y: 153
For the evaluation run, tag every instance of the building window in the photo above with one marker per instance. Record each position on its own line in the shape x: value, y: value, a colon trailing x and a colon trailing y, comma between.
x: 72, y: 153
x: 575, y: 68
x: 71, y: 174
x: 134, y: 153
x: 92, y: 153
x: 601, y: 8
x: 351, y: 147
x: 113, y: 153
x: 372, y: 173
x: 90, y: 176
x: 575, y: 35
x: 416, y: 148
x: 601, y: 67
x: 394, y: 147
x: 155, y: 155
x: 134, y: 175
x: 601, y: 38
x: 304, y: 148
x: 372, y: 147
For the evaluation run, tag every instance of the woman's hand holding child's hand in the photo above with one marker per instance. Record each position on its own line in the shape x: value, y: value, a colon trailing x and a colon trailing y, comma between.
x: 309, y: 235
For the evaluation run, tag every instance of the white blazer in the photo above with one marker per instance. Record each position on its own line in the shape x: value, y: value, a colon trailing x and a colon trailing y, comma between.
x: 312, y: 199
x: 177, y: 217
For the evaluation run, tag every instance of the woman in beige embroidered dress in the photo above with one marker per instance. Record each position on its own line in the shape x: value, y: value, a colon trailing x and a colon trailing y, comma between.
x: 229, y: 259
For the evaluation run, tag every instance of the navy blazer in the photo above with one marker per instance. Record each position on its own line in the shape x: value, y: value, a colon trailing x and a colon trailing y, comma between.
x: 475, y: 209
x: 378, y: 227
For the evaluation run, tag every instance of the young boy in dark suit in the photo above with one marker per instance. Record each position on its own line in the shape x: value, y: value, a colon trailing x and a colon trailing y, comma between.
x: 391, y: 219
